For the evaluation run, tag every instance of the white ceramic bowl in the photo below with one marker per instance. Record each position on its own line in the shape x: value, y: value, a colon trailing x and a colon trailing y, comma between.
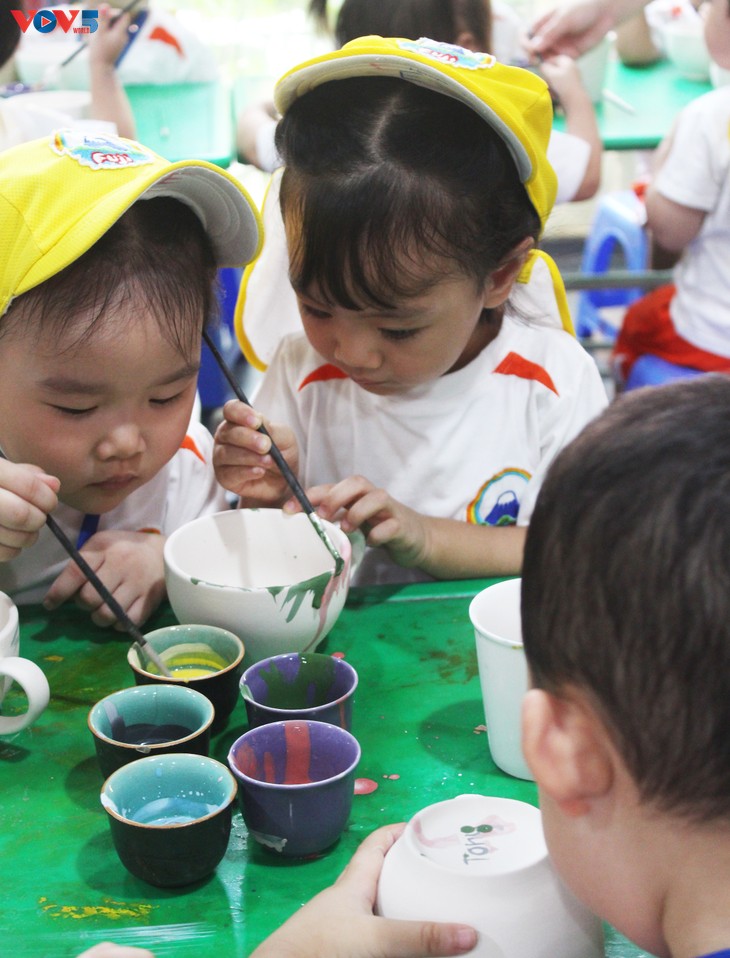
x: 684, y: 44
x: 262, y: 574
x: 483, y: 861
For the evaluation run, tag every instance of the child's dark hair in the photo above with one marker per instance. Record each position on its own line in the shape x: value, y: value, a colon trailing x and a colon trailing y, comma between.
x: 626, y: 587
x: 375, y: 166
x: 438, y: 19
x: 157, y: 251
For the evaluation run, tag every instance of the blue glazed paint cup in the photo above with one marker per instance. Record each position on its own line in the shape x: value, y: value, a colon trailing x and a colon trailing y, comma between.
x: 296, y: 782
x: 300, y: 685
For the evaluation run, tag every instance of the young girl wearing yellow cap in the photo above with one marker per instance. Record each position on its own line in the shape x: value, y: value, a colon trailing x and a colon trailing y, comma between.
x: 108, y: 261
x: 417, y: 405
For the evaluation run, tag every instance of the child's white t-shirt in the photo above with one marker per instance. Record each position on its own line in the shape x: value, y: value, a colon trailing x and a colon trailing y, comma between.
x: 182, y: 490
x: 22, y: 120
x: 473, y: 445
x: 696, y: 173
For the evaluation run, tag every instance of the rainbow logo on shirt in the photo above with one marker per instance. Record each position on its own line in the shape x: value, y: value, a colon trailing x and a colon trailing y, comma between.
x: 498, y: 501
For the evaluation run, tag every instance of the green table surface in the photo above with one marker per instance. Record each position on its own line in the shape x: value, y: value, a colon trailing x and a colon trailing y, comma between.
x: 418, y: 716
x: 656, y: 93
x: 185, y: 121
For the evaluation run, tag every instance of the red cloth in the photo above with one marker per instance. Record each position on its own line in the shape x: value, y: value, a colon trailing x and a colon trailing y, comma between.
x: 648, y: 328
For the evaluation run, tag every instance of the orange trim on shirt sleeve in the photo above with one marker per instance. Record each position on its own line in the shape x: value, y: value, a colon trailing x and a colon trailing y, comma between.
x: 189, y: 443
x: 515, y: 365
x: 159, y: 33
x: 322, y: 374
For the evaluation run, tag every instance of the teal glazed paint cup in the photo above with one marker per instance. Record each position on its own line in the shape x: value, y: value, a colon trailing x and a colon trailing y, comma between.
x: 170, y: 817
x: 295, y: 784
x: 300, y: 685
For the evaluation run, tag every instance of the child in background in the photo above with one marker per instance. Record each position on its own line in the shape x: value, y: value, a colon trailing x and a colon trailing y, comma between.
x: 21, y: 120
x: 107, y: 269
x: 483, y: 26
x: 268, y: 308
x: 626, y: 624
x: 475, y: 25
x: 414, y: 406
x: 688, y: 212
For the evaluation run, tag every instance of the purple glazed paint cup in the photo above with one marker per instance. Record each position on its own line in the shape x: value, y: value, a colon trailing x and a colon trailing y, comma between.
x: 299, y: 685
x: 296, y: 781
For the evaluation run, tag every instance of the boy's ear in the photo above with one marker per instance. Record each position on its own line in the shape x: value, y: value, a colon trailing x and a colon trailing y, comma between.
x: 502, y: 279
x: 566, y: 747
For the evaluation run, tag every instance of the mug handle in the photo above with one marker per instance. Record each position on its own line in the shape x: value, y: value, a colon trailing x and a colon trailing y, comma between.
x: 34, y: 683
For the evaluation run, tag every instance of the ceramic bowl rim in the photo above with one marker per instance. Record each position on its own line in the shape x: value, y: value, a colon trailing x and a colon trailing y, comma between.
x: 275, y: 710
x: 302, y: 786
x: 149, y: 689
x: 125, y: 769
x: 173, y: 566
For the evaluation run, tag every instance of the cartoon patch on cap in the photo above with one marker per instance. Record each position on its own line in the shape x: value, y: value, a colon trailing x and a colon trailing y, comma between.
x: 99, y: 152
x: 449, y: 53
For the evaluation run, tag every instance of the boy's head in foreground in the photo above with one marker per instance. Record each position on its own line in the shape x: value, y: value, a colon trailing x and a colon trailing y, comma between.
x: 108, y: 259
x: 626, y: 622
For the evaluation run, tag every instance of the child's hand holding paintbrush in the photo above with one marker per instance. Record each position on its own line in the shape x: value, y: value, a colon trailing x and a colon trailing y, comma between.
x: 27, y: 497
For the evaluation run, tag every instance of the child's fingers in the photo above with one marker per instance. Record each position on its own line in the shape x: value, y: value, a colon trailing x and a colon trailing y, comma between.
x: 13, y: 542
x: 23, y: 486
x: 239, y: 414
x: 107, y: 949
x: 331, y: 500
x: 363, y: 870
x: 66, y: 585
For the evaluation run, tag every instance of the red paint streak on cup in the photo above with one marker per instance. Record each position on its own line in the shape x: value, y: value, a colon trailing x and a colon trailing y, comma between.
x: 269, y: 768
x: 298, y: 754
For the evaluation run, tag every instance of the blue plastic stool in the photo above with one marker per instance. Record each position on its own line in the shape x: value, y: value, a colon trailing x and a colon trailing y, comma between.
x: 617, y: 224
x: 213, y: 388
x: 650, y: 370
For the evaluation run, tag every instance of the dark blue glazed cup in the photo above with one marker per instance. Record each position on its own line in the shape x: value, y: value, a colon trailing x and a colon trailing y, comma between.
x: 149, y: 720
x: 299, y: 685
x: 295, y: 784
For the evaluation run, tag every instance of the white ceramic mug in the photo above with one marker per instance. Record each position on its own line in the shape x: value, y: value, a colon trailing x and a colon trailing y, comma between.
x: 495, y: 615
x: 15, y: 669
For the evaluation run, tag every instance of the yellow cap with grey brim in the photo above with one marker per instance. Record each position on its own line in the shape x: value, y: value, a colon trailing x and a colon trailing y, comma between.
x: 61, y: 193
x: 515, y: 102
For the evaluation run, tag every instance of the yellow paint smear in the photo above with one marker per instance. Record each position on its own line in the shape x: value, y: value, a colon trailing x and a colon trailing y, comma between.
x: 111, y: 910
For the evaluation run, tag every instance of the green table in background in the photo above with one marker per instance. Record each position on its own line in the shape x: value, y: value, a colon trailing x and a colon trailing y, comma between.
x: 185, y: 121
x: 418, y: 716
x: 656, y: 93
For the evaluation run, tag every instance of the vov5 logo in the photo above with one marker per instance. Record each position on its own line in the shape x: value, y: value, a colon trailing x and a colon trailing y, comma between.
x: 46, y: 21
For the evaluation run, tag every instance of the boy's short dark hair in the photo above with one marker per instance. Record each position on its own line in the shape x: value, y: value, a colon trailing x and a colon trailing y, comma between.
x: 626, y: 587
x: 375, y: 166
x: 158, y: 250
